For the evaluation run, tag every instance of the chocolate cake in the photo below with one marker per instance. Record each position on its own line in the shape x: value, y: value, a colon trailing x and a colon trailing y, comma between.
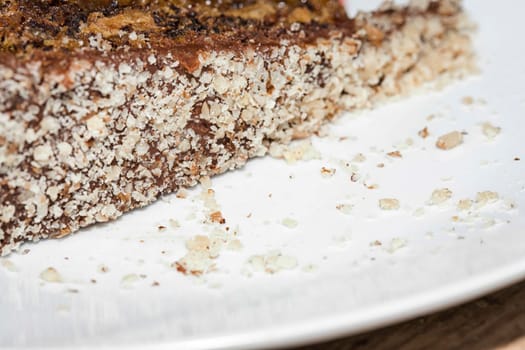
x: 107, y: 105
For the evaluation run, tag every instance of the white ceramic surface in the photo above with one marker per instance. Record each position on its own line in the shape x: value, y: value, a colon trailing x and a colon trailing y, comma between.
x: 343, y: 283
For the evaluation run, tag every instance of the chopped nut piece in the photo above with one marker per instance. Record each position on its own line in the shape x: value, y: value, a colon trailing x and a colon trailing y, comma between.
x: 374, y: 34
x: 396, y: 244
x: 345, y: 208
x: 290, y: 223
x: 359, y: 158
x: 128, y: 280
x: 467, y: 100
x: 389, y: 204
x: 195, y: 262
x: 440, y: 196
x: 450, y: 140
x: 327, y: 172
x: 272, y: 262
x: 464, y: 204
x: 103, y: 269
x: 234, y: 245
x: 419, y: 212
x: 486, y: 197
x: 174, y: 223
x: 301, y: 150
x: 376, y: 243
x: 395, y: 154
x: 51, y: 275
x: 423, y: 133
x: 490, y: 131
x: 8, y: 264
x: 217, y: 217
x: 181, y: 194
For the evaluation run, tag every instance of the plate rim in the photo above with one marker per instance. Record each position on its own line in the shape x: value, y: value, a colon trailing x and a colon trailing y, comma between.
x: 345, y: 324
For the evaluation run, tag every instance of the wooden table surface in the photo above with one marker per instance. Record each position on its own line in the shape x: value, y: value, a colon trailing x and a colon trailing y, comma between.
x: 493, y: 322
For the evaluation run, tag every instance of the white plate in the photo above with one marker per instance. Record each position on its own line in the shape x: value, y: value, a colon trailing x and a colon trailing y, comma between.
x: 342, y: 283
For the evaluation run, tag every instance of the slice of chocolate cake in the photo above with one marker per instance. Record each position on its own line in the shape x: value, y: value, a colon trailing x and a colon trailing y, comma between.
x: 107, y: 105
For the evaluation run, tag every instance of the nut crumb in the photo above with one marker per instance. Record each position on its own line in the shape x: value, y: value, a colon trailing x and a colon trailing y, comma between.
x: 51, y: 275
x: 327, y: 172
x: 467, y: 100
x: 8, y: 264
x: 440, y: 196
x: 486, y: 197
x: 345, y: 208
x: 128, y: 280
x: 272, y: 262
x: 389, y: 204
x: 217, y: 217
x: 359, y: 158
x: 423, y: 133
x: 419, y: 212
x: 464, y: 204
x: 103, y: 269
x: 174, y: 223
x: 396, y: 244
x: 490, y: 131
x: 395, y: 154
x: 182, y: 194
x: 289, y: 222
x: 450, y: 140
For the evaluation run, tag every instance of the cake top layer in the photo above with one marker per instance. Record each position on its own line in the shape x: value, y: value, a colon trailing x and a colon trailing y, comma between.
x: 66, y: 25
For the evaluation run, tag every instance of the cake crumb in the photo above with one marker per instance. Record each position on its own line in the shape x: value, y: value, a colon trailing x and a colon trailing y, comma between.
x: 490, y: 131
x: 440, y: 196
x: 51, y: 275
x: 389, y: 204
x: 450, y: 140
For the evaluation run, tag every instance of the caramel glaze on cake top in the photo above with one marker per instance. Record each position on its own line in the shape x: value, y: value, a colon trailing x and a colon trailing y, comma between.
x: 27, y: 26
